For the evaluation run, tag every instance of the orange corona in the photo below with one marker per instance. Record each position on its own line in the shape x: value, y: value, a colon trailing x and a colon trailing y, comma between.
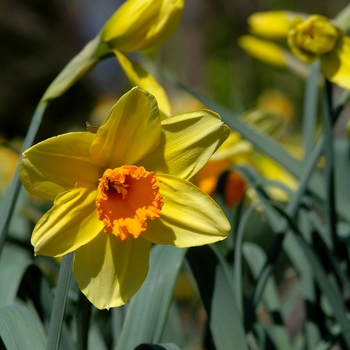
x: 127, y: 196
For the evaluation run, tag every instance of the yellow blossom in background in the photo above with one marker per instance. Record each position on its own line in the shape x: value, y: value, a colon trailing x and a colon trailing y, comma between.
x: 8, y: 159
x: 309, y: 38
x: 272, y: 114
x: 318, y: 38
x: 121, y: 189
x: 140, y: 25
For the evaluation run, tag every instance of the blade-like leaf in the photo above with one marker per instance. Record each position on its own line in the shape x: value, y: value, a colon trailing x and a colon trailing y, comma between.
x: 147, y: 311
x: 19, y: 329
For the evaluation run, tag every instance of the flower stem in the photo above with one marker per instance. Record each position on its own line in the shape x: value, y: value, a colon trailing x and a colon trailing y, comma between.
x: 12, y: 194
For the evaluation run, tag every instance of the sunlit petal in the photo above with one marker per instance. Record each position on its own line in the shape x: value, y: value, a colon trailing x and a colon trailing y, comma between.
x: 56, y: 164
x: 138, y: 76
x: 336, y: 64
x: 69, y: 224
x: 189, y: 217
x: 187, y: 143
x: 131, y: 131
x: 110, y: 271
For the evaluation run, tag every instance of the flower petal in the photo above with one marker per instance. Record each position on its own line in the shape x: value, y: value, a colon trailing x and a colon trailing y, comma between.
x: 188, y: 218
x: 142, y: 24
x: 138, y: 76
x: 272, y: 25
x: 131, y: 131
x: 110, y: 271
x: 189, y: 141
x: 69, y: 224
x: 336, y: 64
x: 56, y: 164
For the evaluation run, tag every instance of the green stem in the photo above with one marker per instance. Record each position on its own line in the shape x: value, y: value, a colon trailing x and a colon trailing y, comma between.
x: 59, y: 303
x: 12, y: 194
x: 330, y: 203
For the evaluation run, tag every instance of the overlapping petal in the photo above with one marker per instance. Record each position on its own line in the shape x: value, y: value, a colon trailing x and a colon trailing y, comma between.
x: 141, y: 24
x: 131, y: 131
x: 110, y: 271
x: 336, y: 64
x: 138, y: 76
x: 69, y: 224
x: 189, y: 216
x: 56, y: 164
x: 188, y: 141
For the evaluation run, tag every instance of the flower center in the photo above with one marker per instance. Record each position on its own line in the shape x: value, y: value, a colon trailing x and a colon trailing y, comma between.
x: 126, y: 197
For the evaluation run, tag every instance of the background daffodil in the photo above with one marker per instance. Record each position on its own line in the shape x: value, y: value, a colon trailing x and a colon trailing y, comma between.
x: 309, y: 38
x: 118, y: 191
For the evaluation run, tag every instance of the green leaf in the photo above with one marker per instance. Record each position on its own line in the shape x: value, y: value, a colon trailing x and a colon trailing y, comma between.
x: 147, y: 311
x: 19, y: 329
x: 216, y: 290
x: 167, y: 346
x: 13, y: 265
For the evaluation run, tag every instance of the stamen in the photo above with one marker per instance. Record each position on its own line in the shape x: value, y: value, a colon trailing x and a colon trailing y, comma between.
x: 127, y: 197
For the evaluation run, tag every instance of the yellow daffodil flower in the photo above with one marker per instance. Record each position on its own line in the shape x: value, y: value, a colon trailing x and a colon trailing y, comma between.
x: 121, y: 189
x: 309, y: 38
x: 318, y: 38
x: 136, y: 25
x: 140, y: 25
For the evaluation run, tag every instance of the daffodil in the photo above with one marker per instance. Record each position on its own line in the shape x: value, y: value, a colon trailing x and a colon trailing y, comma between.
x: 318, y: 38
x: 121, y: 189
x: 136, y: 25
x: 310, y: 38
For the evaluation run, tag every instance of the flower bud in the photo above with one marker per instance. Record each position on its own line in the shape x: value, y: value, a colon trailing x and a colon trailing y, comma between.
x: 311, y: 38
x: 141, y: 24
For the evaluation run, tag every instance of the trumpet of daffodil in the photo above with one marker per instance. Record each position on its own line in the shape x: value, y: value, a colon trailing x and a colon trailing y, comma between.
x: 136, y: 25
x: 121, y: 189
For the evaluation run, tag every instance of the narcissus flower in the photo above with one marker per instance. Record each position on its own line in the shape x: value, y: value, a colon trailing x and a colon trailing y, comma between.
x: 136, y: 25
x: 140, y: 25
x: 318, y: 38
x: 121, y: 189
x: 309, y: 38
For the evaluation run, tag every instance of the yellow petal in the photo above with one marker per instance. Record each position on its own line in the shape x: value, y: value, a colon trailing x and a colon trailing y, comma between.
x: 131, y: 131
x: 271, y: 25
x: 138, y: 76
x: 336, y: 64
x: 69, y: 224
x: 263, y: 50
x: 188, y: 218
x: 189, y: 141
x: 110, y: 271
x: 56, y: 164
x: 141, y: 24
